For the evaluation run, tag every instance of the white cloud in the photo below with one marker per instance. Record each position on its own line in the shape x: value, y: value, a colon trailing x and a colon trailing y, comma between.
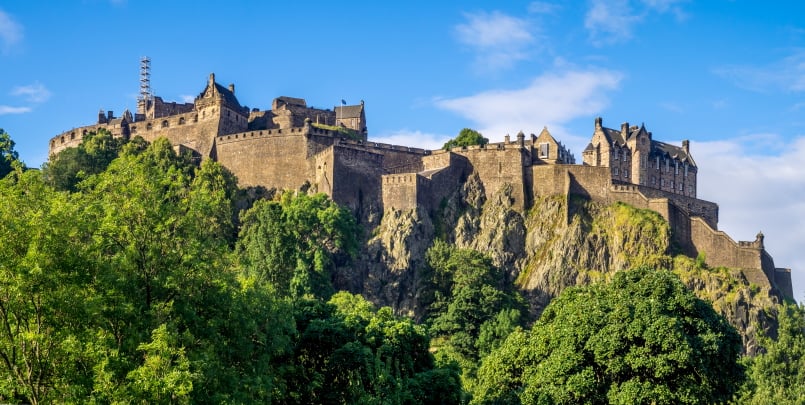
x: 10, y: 32
x: 787, y: 74
x: 549, y: 100
x: 33, y: 93
x: 416, y: 139
x: 7, y: 109
x: 500, y: 40
x: 543, y: 7
x: 759, y: 188
x: 613, y: 21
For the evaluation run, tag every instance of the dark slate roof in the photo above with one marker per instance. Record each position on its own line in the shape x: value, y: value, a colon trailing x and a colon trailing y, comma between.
x: 614, y: 136
x: 589, y: 147
x: 228, y: 96
x: 349, y: 111
x: 673, y: 151
x: 292, y: 101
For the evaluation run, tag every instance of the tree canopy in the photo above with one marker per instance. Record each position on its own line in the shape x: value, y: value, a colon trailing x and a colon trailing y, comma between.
x: 641, y: 339
x: 9, y: 159
x: 466, y: 137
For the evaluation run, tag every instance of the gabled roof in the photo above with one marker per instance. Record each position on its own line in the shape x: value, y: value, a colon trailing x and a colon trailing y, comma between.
x: 672, y: 151
x: 227, y: 96
x: 349, y: 111
x: 613, y: 136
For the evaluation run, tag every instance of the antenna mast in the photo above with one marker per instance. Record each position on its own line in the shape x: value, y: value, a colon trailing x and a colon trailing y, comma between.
x: 145, y: 85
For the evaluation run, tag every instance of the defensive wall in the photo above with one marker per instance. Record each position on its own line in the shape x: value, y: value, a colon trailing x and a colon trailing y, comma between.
x: 692, y: 221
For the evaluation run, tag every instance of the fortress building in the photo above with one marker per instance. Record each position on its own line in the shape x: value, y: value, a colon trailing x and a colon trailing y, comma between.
x: 293, y: 146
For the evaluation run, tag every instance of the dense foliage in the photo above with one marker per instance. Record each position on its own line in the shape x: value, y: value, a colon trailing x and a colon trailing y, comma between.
x: 473, y: 307
x: 642, y: 339
x: 466, y: 137
x: 778, y: 375
x: 9, y: 159
x: 126, y: 288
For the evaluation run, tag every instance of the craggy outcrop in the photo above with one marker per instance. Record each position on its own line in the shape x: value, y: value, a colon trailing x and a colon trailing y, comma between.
x: 557, y: 243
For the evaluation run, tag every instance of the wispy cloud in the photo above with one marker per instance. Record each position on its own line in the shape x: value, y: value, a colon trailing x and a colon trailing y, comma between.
x: 7, y: 109
x: 787, y: 74
x: 186, y: 98
x: 759, y: 192
x: 552, y: 99
x: 500, y: 40
x: 543, y: 7
x: 10, y: 32
x: 408, y: 137
x: 613, y: 21
x: 32, y: 93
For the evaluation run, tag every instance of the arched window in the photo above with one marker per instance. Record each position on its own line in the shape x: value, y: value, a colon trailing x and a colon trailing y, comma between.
x: 72, y: 136
x: 133, y: 129
x: 148, y: 127
x: 181, y: 121
x: 165, y: 124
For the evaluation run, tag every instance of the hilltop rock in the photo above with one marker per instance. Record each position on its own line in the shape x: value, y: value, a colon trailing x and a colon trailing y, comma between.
x: 558, y: 243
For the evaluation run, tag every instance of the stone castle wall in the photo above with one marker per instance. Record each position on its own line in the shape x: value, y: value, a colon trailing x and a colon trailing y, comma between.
x: 496, y: 165
x: 272, y: 157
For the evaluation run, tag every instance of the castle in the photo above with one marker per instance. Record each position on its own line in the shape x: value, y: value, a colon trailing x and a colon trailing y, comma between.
x: 293, y: 146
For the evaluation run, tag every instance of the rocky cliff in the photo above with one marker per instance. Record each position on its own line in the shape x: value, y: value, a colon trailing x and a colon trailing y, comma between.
x: 559, y: 242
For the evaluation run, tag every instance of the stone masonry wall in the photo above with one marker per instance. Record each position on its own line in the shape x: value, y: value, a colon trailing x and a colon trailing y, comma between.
x: 356, y: 182
x: 498, y: 164
x: 272, y: 158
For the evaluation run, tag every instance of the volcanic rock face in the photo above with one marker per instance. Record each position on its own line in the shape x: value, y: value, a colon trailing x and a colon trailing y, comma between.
x: 557, y: 243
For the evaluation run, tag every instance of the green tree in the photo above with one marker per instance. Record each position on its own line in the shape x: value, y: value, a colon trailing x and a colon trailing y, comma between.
x: 294, y: 242
x: 163, y: 242
x: 466, y: 137
x: 643, y: 338
x: 9, y: 159
x: 777, y: 376
x: 473, y: 307
x: 46, y: 309
x: 72, y: 165
x: 346, y: 351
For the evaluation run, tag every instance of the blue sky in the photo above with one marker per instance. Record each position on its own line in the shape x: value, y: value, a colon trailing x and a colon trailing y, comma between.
x: 728, y: 75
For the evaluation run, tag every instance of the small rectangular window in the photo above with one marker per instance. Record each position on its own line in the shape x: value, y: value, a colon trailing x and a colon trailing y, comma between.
x: 616, y: 172
x: 625, y: 173
x: 543, y: 150
x: 657, y: 159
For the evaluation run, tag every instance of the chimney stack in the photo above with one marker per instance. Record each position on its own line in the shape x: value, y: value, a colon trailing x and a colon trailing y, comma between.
x: 686, y: 146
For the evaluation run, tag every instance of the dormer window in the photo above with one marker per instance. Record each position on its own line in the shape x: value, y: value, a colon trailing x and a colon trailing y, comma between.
x: 616, y: 153
x: 657, y: 159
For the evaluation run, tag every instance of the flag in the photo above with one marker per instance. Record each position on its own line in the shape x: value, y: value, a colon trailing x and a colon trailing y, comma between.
x: 343, y: 102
